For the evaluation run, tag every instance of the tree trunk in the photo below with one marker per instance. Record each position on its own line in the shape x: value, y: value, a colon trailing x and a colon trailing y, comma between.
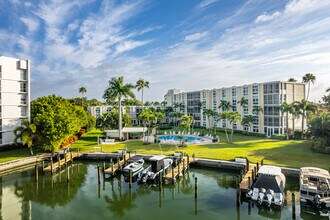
x: 232, y: 132
x: 31, y: 151
x: 120, y: 122
x: 287, y: 125
x: 309, y: 84
x: 302, y: 125
x: 293, y: 118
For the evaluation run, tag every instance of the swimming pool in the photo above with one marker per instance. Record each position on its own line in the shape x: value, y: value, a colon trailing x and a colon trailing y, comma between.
x: 178, y: 138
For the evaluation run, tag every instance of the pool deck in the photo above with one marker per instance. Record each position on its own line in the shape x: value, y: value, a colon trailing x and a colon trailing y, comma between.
x: 204, y: 140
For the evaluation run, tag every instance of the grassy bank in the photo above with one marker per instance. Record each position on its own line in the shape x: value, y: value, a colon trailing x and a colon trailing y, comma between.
x: 14, y: 154
x: 293, y: 153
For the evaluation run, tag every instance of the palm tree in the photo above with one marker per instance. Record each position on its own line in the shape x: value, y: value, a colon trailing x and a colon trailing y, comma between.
x: 286, y: 108
x: 292, y: 80
x: 224, y: 116
x: 147, y: 116
x: 82, y: 90
x: 295, y: 114
x: 224, y: 105
x: 304, y: 108
x: 309, y: 78
x: 234, y: 117
x: 117, y: 90
x: 26, y: 134
x: 243, y: 101
x: 209, y: 114
x: 328, y: 89
x: 247, y: 120
x: 140, y: 85
x: 186, y: 122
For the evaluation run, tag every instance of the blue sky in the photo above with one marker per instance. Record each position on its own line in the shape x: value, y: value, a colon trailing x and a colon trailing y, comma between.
x: 185, y: 44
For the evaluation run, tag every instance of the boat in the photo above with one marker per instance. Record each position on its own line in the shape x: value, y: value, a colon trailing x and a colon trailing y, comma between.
x: 315, y: 188
x: 269, y: 187
x: 135, y: 165
x: 158, y: 164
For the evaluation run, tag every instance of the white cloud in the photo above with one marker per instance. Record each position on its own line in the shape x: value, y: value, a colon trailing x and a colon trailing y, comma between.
x: 305, y: 6
x: 205, y: 3
x: 197, y: 36
x: 31, y: 24
x: 265, y: 17
x: 129, y: 45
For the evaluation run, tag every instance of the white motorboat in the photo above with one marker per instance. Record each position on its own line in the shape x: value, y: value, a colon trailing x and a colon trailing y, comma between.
x: 269, y: 187
x: 134, y: 166
x: 158, y: 164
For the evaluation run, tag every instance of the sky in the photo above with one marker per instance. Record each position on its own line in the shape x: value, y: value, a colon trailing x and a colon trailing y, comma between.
x: 185, y: 44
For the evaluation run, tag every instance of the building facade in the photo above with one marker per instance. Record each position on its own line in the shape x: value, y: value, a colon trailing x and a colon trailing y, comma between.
x: 14, y: 96
x: 263, y: 103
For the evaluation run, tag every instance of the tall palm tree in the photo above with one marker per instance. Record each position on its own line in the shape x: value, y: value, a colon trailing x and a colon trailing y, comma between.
x: 140, y: 85
x: 295, y: 115
x: 224, y: 116
x: 309, y: 78
x: 186, y: 122
x: 117, y: 90
x: 243, y: 101
x: 147, y: 116
x: 286, y: 108
x: 26, y: 134
x: 292, y: 80
x: 224, y: 105
x: 304, y: 108
x: 82, y: 90
x: 234, y: 117
x: 210, y: 114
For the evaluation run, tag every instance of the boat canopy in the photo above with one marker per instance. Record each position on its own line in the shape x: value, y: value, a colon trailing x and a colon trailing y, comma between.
x: 270, y: 170
x: 134, y: 158
x: 270, y: 182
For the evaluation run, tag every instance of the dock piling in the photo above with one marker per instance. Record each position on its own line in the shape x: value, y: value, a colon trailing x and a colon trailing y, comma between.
x: 196, y: 187
x: 173, y: 177
x: 103, y: 170
x: 65, y: 160
x: 98, y: 174
x: 43, y: 167
x: 36, y: 173
x: 247, y: 164
x: 257, y: 167
x: 118, y: 162
x: 59, y: 162
x: 130, y: 178
x: 68, y: 175
x: 188, y: 161
x: 253, y: 176
x: 293, y: 206
x: 249, y: 182
x: 160, y: 181
x: 51, y: 165
x: 179, y: 169
x: 262, y: 162
x: 184, y: 163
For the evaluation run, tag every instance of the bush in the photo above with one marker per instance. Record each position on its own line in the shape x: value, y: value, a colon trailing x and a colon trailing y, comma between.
x: 319, y: 145
x: 279, y: 137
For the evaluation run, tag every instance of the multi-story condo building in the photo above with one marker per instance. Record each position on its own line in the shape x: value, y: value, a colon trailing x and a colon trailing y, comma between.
x: 14, y: 96
x: 132, y: 111
x: 264, y: 101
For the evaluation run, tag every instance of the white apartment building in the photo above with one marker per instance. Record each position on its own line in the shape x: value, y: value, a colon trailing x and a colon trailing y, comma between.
x: 14, y: 96
x: 266, y: 96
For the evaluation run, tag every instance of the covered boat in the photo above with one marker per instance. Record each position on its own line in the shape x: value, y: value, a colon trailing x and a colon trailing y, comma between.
x: 269, y: 186
x: 158, y: 164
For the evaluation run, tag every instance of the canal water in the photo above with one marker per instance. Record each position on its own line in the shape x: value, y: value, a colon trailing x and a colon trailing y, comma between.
x: 82, y: 198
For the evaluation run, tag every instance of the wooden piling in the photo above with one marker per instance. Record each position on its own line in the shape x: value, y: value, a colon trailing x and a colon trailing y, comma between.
x: 59, y: 162
x: 51, y: 165
x: 238, y: 197
x: 188, y: 161
x: 293, y: 206
x: 160, y: 181
x: 196, y: 188
x: 65, y: 159
x: 36, y: 173
x: 179, y: 170
x: 257, y: 167
x: 43, y: 167
x: 262, y: 162
x: 124, y: 156
x: 103, y: 170
x: 129, y: 154
x: 68, y: 175
x: 98, y: 174
x: 173, y: 177
x: 130, y: 178
x: 71, y: 157
x: 244, y: 170
x: 184, y: 163
x: 253, y: 176
x: 247, y: 164
x: 249, y: 181
x: 163, y: 171
x: 118, y: 162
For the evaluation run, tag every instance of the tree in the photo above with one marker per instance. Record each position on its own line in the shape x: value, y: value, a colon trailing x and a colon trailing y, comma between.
x: 243, y: 102
x: 132, y: 102
x: 234, y: 117
x: 176, y: 116
x: 140, y: 85
x: 224, y: 116
x: 26, y: 134
x: 210, y: 114
x: 295, y: 114
x: 319, y: 127
x: 286, y: 109
x: 117, y: 90
x: 82, y: 90
x: 224, y: 105
x: 304, y: 107
x: 248, y: 120
x: 309, y: 78
x: 292, y: 80
x: 186, y: 121
x: 147, y: 116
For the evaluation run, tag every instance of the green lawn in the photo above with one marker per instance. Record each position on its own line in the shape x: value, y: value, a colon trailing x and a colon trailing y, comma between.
x: 293, y: 153
x: 14, y: 154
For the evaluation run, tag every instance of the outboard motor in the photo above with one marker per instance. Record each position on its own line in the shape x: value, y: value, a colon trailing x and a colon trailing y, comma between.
x: 262, y: 193
x: 269, y: 197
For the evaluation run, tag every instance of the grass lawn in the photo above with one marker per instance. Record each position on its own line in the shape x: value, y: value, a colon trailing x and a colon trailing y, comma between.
x: 14, y: 154
x: 293, y: 153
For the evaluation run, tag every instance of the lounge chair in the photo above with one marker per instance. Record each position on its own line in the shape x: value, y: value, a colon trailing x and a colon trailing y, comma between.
x: 170, y: 132
x: 165, y: 132
x: 188, y: 133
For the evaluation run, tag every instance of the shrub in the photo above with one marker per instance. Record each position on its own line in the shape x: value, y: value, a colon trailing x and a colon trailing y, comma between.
x: 319, y: 145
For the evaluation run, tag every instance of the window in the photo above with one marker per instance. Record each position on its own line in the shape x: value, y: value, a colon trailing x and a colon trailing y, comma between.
x: 255, y: 129
x: 108, y: 109
x: 23, y: 87
x: 255, y: 100
x: 97, y: 112
x: 0, y: 72
x: 23, y: 74
x: 234, y: 107
x: 235, y: 126
x: 23, y: 111
x: 255, y: 90
x: 223, y: 93
x: 23, y: 99
x: 224, y: 124
x: 245, y: 92
x: 233, y: 92
x: 245, y: 110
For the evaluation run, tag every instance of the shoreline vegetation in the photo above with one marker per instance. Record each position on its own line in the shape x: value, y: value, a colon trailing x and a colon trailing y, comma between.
x: 287, y: 153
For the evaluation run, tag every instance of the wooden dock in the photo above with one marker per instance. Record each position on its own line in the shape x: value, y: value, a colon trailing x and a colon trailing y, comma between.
x: 247, y: 180
x: 115, y: 167
x: 56, y: 165
x: 175, y: 172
